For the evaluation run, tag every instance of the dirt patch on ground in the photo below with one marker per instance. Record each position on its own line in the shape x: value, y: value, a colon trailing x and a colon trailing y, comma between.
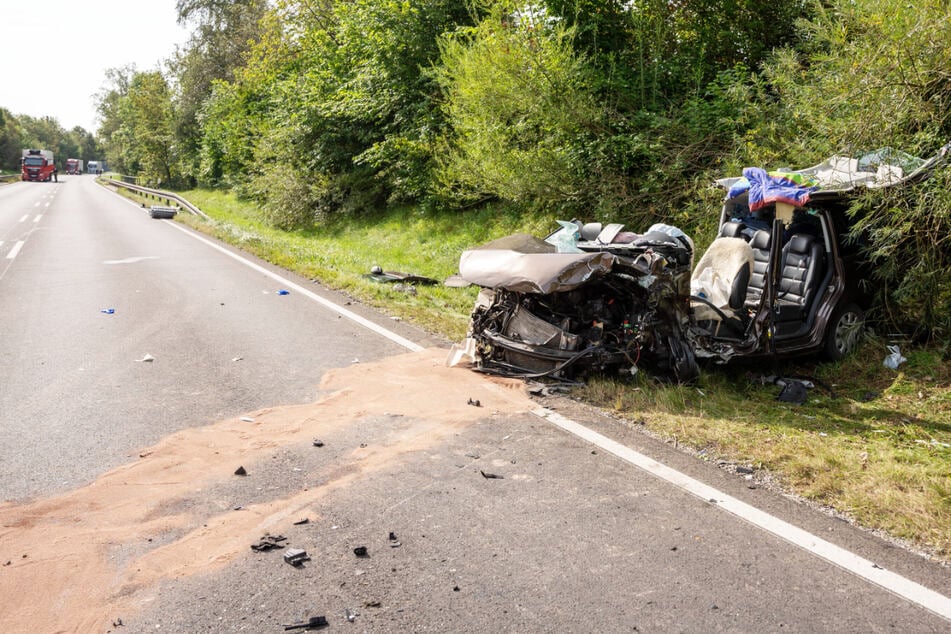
x: 60, y: 570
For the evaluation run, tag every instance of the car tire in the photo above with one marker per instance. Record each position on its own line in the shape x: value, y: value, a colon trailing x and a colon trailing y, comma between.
x: 845, y: 332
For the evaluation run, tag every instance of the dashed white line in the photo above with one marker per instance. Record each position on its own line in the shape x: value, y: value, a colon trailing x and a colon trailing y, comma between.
x: 24, y: 217
x: 15, y: 250
x: 37, y: 219
x: 905, y: 588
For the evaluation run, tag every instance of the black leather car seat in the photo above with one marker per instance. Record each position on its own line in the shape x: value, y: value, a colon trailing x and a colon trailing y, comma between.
x: 803, y: 263
x: 760, y: 245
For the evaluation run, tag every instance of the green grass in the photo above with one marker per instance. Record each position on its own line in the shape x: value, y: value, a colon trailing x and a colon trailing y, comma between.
x: 879, y: 451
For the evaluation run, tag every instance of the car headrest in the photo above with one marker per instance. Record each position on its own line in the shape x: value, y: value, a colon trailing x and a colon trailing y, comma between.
x: 731, y: 229
x: 590, y: 231
x: 800, y: 243
x: 760, y: 240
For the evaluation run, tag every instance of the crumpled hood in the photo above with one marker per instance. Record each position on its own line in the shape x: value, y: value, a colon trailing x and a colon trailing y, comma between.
x: 525, y: 264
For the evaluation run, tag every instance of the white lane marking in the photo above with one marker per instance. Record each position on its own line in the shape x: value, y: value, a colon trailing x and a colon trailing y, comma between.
x: 343, y: 312
x: 15, y: 250
x: 25, y: 216
x: 131, y: 260
x: 906, y: 588
x: 47, y: 204
x: 37, y: 219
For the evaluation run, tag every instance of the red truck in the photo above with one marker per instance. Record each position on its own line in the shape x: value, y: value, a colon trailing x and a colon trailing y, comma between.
x: 38, y: 166
x: 74, y: 166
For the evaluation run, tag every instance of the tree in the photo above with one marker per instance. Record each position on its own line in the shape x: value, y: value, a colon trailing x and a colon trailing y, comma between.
x: 519, y: 106
x: 225, y: 32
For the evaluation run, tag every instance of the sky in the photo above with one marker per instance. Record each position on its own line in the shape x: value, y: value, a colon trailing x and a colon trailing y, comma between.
x: 54, y: 53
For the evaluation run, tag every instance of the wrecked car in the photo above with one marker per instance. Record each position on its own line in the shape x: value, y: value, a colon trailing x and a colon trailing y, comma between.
x: 781, y: 278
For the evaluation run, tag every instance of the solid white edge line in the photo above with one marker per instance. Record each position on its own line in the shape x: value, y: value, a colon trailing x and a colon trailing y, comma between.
x: 15, y: 250
x: 906, y: 588
x: 366, y: 323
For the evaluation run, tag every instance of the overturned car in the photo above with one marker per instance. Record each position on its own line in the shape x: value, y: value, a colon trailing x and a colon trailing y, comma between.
x: 781, y: 278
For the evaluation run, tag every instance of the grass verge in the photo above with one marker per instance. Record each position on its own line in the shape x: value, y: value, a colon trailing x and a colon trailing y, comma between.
x: 878, y: 451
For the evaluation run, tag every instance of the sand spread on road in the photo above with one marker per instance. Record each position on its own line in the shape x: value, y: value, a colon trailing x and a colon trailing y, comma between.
x: 59, y: 569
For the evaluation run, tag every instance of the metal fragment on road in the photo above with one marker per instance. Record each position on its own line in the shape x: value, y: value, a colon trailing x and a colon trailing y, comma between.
x: 312, y: 623
x: 296, y: 556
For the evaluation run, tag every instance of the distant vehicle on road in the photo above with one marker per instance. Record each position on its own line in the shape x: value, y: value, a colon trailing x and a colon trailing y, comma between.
x: 94, y: 167
x: 74, y: 166
x: 37, y: 165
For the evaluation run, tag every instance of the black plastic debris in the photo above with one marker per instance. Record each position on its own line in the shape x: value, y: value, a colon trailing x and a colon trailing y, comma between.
x: 240, y: 471
x: 318, y: 442
x: 491, y: 476
x: 745, y: 470
x: 377, y: 274
x: 313, y: 623
x: 361, y: 551
x: 394, y: 542
x: 794, y: 392
x: 296, y: 556
x: 157, y: 211
x: 474, y: 403
x: 302, y: 521
x: 268, y: 542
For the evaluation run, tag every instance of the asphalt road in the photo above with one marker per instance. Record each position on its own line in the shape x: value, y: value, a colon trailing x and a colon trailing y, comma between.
x: 75, y: 396
x: 571, y: 537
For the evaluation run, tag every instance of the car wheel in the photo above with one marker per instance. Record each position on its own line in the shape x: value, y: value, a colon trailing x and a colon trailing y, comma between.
x: 845, y: 332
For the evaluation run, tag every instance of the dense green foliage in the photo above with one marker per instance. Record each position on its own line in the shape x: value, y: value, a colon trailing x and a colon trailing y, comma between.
x: 609, y: 110
x: 18, y: 132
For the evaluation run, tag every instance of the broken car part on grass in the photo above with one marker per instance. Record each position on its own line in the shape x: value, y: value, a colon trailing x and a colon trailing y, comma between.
x: 781, y: 278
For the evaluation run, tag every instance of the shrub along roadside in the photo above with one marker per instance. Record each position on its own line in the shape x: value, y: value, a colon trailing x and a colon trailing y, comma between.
x: 878, y: 452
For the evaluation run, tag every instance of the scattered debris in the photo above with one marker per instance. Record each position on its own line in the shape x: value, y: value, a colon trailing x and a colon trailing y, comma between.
x: 296, y: 556
x: 394, y: 542
x: 268, y: 542
x: 247, y: 419
x: 146, y: 359
x: 372, y: 604
x: 313, y: 623
x: 318, y: 442
x: 361, y: 551
x: 118, y: 623
x: 157, y: 211
x: 240, y: 471
x: 794, y: 392
x: 238, y: 359
x: 108, y: 311
x: 744, y: 470
x: 491, y: 476
x: 351, y: 614
x: 377, y: 274
x: 474, y: 403
x: 283, y: 291
x: 302, y: 521
x: 894, y: 359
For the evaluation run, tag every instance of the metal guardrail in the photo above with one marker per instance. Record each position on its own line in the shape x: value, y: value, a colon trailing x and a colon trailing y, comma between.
x: 159, y: 195
x: 9, y: 177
